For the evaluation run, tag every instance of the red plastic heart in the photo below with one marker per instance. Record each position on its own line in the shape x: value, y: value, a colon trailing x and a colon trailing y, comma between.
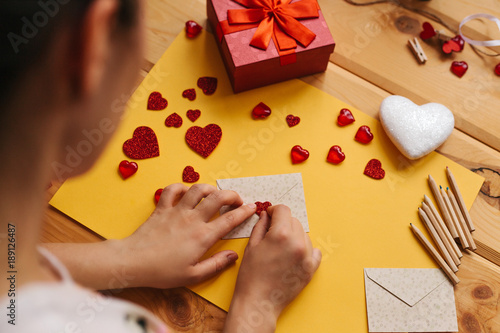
x: 262, y: 206
x: 497, y: 69
x: 143, y: 144
x: 299, y: 154
x: 428, y: 31
x: 156, y: 101
x: 460, y: 41
x: 189, y: 175
x: 261, y: 111
x: 459, y: 68
x: 374, y: 169
x: 204, y: 140
x: 364, y: 135
x: 193, y: 114
x: 127, y: 168
x: 193, y: 29
x: 158, y: 194
x: 292, y: 120
x: 174, y: 120
x: 335, y: 155
x: 451, y: 45
x: 189, y: 94
x: 345, y: 117
x: 207, y: 84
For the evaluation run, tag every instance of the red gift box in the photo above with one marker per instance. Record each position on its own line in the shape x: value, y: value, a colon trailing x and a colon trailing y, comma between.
x: 243, y: 33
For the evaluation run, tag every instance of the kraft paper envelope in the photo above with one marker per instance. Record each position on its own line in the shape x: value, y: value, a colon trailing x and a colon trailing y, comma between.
x: 277, y: 189
x: 409, y: 300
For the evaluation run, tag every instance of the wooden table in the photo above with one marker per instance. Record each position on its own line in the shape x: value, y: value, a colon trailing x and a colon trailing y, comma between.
x: 370, y: 62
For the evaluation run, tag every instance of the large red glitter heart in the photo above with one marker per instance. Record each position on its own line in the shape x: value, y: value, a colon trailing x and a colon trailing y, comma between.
x: 299, y: 154
x: 374, y: 169
x: 452, y: 45
x: 207, y: 84
x: 127, y: 168
x: 459, y: 68
x: 335, y: 155
x: 158, y: 194
x: 428, y: 31
x: 193, y: 114
x: 261, y: 111
x: 345, y: 117
x: 143, y: 144
x: 174, y: 120
x: 292, y: 120
x: 262, y: 206
x: 189, y: 94
x: 156, y: 101
x: 204, y: 140
x: 189, y: 175
x: 193, y: 29
x: 364, y: 135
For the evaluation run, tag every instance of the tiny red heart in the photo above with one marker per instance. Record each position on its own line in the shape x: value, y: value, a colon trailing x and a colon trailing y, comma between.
x: 292, y: 120
x: 207, y: 84
x: 497, y: 69
x: 174, y: 120
x: 299, y: 154
x: 143, y: 144
x: 345, y: 117
x: 158, y: 194
x: 428, y: 31
x: 189, y: 175
x: 261, y: 111
x: 189, y: 94
x: 262, y: 206
x: 374, y: 169
x: 335, y: 155
x: 203, y: 140
x: 156, y: 101
x: 451, y: 45
x: 459, y: 68
x: 460, y: 42
x: 193, y: 114
x: 364, y: 135
x: 127, y: 168
x: 193, y: 29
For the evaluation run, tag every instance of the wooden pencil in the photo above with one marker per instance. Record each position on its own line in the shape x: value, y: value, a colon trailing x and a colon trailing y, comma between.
x: 454, y: 219
x: 460, y: 199
x: 432, y: 251
x: 442, y: 207
x: 461, y: 220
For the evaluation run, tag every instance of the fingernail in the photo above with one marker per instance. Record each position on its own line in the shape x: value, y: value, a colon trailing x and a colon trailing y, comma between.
x: 232, y: 256
x: 252, y: 205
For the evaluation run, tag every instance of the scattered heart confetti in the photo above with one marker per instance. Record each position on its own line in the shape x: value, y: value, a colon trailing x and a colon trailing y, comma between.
x: 428, y: 31
x: 189, y: 175
x: 292, y: 120
x: 452, y: 45
x: 497, y: 69
x: 261, y: 111
x: 127, y: 168
x: 364, y: 135
x: 143, y: 144
x: 174, y: 120
x: 262, y: 206
x: 207, y: 84
x: 345, y: 117
x: 374, y: 169
x: 193, y: 114
x: 193, y: 29
x: 335, y: 155
x: 156, y: 101
x: 299, y: 154
x: 204, y: 140
x: 158, y: 194
x: 189, y: 94
x: 459, y: 68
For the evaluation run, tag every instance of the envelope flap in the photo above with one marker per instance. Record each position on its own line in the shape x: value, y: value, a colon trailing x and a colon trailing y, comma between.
x: 410, y: 285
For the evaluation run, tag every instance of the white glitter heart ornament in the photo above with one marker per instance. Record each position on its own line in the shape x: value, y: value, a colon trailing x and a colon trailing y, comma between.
x: 415, y: 130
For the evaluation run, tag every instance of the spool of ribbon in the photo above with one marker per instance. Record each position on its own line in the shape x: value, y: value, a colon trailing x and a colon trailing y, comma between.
x: 479, y: 42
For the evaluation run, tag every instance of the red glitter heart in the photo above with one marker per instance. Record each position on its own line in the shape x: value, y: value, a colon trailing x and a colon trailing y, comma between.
x: 158, y: 194
x: 459, y: 68
x: 193, y: 114
x: 189, y: 94
x: 204, y: 140
x: 261, y: 111
x: 299, y: 154
x: 292, y: 120
x: 174, y: 120
x: 189, y: 175
x: 207, y: 84
x: 345, y: 117
x: 127, y: 168
x: 364, y: 135
x: 262, y: 206
x: 335, y: 155
x: 451, y: 45
x: 143, y: 144
x: 497, y: 69
x: 193, y: 29
x: 428, y: 31
x: 156, y: 101
x: 374, y: 169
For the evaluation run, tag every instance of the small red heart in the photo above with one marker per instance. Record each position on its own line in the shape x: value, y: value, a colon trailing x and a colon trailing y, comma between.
x: 497, y: 69
x: 364, y: 135
x: 374, y: 169
x: 193, y: 114
x: 127, y: 168
x: 193, y: 29
x: 345, y: 117
x: 204, y: 140
x: 262, y: 206
x: 189, y: 94
x: 156, y: 101
x: 207, y: 84
x: 460, y: 41
x: 451, y: 45
x: 189, y: 175
x: 459, y: 68
x: 143, y: 144
x: 335, y: 155
x: 174, y: 120
x: 299, y: 154
x: 158, y: 194
x: 261, y: 111
x: 428, y: 31
x: 292, y: 120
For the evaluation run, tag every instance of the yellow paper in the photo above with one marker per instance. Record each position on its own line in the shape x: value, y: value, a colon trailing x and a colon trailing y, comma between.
x: 356, y: 221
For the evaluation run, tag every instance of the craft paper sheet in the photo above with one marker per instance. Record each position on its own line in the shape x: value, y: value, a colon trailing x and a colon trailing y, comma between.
x: 354, y: 220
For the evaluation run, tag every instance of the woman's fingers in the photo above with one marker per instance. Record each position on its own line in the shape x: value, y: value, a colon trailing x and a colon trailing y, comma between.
x: 194, y: 195
x: 215, y: 200
x: 171, y: 194
x: 260, y: 229
x: 222, y: 225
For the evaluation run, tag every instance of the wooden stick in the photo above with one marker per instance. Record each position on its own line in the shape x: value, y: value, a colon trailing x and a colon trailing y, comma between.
x: 437, y: 240
x: 442, y: 207
x: 461, y: 220
x: 454, y: 219
x: 460, y: 199
x: 432, y: 251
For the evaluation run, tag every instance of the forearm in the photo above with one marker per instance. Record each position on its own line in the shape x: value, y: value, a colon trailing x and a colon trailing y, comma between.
x: 250, y: 316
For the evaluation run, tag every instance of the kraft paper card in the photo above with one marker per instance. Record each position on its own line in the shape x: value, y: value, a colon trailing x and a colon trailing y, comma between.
x: 356, y: 221
x: 409, y: 300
